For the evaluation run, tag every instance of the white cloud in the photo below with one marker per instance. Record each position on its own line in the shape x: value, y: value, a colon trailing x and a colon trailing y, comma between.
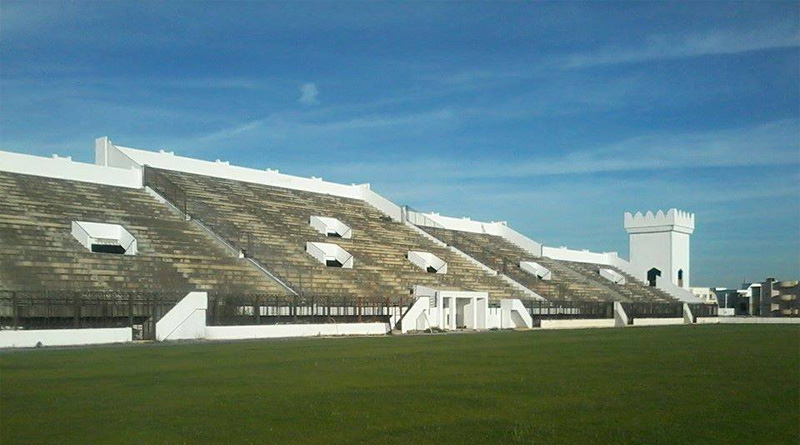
x: 700, y: 44
x: 758, y: 145
x: 308, y: 94
x: 295, y: 127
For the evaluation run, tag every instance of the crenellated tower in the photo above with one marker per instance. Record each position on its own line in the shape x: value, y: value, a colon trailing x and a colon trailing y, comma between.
x: 659, y: 244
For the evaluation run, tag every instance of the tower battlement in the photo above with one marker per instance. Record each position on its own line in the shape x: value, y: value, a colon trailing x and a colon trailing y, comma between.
x: 673, y: 220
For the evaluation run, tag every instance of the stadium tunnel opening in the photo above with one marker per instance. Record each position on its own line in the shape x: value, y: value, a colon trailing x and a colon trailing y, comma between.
x: 108, y: 248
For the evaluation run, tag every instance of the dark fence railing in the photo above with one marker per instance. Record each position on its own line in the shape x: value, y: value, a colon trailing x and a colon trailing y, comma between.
x: 166, y: 188
x: 653, y: 310
x: 240, y: 240
x: 86, y: 309
x: 142, y: 310
x: 226, y: 310
x: 704, y: 310
x: 554, y: 310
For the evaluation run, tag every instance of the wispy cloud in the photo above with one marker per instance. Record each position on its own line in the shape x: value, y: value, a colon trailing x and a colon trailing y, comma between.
x: 286, y: 125
x: 659, y: 47
x: 308, y: 94
x: 747, y: 146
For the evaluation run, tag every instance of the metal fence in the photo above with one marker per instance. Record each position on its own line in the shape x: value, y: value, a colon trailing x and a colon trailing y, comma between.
x: 555, y: 310
x: 142, y: 310
x: 166, y: 188
x: 703, y: 310
x: 653, y: 310
x: 86, y: 309
x: 228, y: 232
x: 226, y: 310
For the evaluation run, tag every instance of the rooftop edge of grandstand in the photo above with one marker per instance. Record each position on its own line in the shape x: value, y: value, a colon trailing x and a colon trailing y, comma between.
x: 60, y: 167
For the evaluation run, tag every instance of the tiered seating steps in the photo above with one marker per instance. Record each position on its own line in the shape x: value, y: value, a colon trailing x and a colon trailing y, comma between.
x: 38, y: 251
x: 571, y: 281
x: 276, y: 220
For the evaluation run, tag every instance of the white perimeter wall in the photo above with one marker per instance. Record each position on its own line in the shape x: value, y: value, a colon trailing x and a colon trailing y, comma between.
x: 657, y: 321
x: 578, y: 324
x: 759, y: 320
x: 64, y: 337
x: 294, y: 330
x: 65, y: 168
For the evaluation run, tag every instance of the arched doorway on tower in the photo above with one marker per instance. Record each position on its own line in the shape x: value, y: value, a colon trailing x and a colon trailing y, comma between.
x: 652, y: 274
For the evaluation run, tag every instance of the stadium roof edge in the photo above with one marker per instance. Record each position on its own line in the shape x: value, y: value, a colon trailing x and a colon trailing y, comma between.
x: 59, y: 167
x: 109, y: 154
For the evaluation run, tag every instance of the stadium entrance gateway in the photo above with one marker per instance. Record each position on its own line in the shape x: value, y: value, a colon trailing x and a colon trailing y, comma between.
x: 451, y: 310
x: 462, y: 310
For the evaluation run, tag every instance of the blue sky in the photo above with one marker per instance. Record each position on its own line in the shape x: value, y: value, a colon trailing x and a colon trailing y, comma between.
x: 556, y: 117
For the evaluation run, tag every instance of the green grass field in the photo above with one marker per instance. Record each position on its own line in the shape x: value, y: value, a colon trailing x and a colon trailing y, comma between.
x: 700, y: 384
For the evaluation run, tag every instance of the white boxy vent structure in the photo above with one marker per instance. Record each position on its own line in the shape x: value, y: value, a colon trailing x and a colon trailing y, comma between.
x: 613, y: 276
x: 427, y: 261
x: 331, y: 227
x: 537, y: 269
x: 104, y: 238
x: 330, y: 255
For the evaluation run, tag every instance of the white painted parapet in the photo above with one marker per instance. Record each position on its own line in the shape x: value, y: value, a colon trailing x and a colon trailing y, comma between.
x: 523, y: 242
x: 64, y: 337
x: 66, y: 168
x: 379, y: 202
x: 514, y: 315
x: 294, y: 330
x: 114, y: 155
x: 187, y: 320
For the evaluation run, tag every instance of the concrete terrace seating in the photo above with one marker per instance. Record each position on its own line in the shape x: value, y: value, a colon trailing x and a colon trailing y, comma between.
x: 38, y: 251
x: 634, y: 290
x: 570, y: 282
x: 272, y: 224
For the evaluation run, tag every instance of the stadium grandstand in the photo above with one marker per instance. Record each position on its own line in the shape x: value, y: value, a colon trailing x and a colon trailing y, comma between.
x: 151, y: 245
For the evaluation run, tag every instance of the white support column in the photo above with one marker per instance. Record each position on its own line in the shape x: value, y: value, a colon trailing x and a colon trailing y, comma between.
x: 440, y: 306
x: 688, y: 317
x: 474, y: 303
x: 620, y: 317
x: 453, y: 313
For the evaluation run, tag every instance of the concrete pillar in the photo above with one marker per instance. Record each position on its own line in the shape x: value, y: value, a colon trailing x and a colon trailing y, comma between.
x: 474, y: 303
x: 453, y: 313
